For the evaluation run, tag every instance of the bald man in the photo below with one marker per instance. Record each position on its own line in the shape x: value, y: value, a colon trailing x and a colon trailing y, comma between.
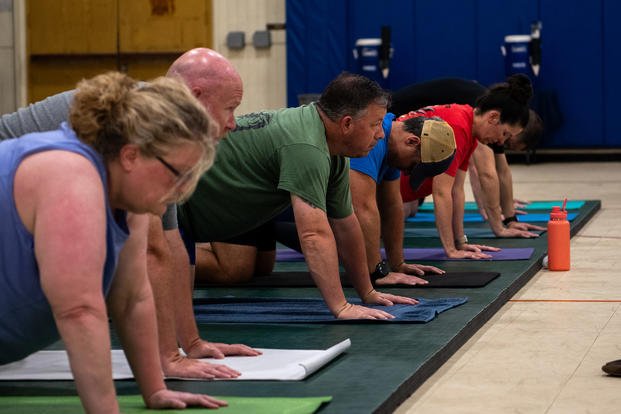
x: 218, y: 86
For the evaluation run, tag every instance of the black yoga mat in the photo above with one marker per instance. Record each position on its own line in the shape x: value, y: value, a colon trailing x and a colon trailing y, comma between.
x: 303, y: 279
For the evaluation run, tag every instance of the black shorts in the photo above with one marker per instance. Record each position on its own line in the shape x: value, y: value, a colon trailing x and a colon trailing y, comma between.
x: 262, y: 237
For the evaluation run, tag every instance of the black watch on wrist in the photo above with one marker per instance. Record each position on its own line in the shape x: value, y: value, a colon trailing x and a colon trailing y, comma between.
x: 509, y: 220
x: 381, y: 270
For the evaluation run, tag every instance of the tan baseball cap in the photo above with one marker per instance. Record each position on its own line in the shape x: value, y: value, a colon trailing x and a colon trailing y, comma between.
x: 437, y: 150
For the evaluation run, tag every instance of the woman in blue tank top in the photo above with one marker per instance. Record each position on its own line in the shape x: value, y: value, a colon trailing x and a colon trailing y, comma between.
x: 73, y: 236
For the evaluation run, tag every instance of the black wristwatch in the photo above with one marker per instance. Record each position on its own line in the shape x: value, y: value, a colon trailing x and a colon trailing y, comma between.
x: 509, y: 220
x: 381, y: 270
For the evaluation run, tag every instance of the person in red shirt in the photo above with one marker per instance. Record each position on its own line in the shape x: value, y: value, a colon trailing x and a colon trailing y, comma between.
x: 498, y: 115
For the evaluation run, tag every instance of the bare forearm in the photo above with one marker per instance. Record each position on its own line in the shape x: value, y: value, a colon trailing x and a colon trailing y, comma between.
x: 160, y: 272
x: 182, y: 275
x: 349, y: 240
x: 392, y: 233
x: 459, y: 200
x: 475, y: 184
x: 491, y: 194
x: 369, y: 219
x: 443, y: 206
x: 137, y: 331
x: 320, y: 254
x: 506, y: 191
x: 187, y: 331
x: 85, y: 333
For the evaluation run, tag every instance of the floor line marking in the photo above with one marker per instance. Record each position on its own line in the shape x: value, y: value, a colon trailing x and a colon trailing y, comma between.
x: 568, y: 300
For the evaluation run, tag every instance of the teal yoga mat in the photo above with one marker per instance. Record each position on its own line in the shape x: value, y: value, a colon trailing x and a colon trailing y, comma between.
x: 477, y: 218
x: 535, y: 205
x: 133, y: 404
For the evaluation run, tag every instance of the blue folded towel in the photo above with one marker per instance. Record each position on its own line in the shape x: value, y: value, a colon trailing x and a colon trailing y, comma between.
x: 274, y: 310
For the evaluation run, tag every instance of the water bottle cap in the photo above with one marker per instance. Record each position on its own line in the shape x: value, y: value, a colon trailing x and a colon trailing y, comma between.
x: 557, y: 214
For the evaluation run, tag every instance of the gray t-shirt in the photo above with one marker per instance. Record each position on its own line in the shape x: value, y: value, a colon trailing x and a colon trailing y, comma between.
x: 45, y: 115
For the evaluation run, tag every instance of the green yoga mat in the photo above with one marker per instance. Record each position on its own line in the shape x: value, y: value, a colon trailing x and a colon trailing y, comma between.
x: 535, y: 205
x: 133, y: 404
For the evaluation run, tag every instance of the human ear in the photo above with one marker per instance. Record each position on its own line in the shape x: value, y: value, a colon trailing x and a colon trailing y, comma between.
x: 494, y: 117
x: 412, y: 140
x: 346, y: 123
x: 128, y: 156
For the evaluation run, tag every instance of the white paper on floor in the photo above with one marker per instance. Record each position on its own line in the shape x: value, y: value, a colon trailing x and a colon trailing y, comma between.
x: 273, y: 364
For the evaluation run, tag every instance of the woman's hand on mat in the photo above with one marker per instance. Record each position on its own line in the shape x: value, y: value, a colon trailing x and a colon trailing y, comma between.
x: 174, y: 399
x: 466, y: 254
x: 182, y: 367
x: 418, y: 269
x: 525, y: 226
x: 517, y: 204
x: 396, y: 278
x: 205, y: 349
x: 472, y: 251
x: 514, y: 232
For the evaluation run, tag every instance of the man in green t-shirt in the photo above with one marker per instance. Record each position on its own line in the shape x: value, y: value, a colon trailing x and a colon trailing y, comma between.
x: 294, y: 157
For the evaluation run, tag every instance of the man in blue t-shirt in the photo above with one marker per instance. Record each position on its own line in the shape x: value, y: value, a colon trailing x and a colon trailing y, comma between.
x: 423, y: 146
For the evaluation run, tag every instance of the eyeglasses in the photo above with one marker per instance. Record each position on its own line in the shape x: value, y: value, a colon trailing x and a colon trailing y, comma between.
x: 172, y: 169
x: 181, y: 178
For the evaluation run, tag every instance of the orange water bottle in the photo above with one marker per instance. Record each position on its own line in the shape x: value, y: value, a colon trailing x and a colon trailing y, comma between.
x: 558, y: 240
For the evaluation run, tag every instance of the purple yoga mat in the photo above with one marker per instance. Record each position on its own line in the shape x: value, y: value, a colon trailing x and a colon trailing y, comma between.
x: 289, y: 255
x: 438, y: 254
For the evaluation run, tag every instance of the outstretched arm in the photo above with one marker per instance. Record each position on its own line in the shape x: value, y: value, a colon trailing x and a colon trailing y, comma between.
x: 483, y: 161
x: 448, y: 201
x: 170, y: 278
x: 320, y: 250
x: 349, y: 241
x: 475, y: 184
x: 520, y: 229
x: 64, y: 209
x: 497, y: 191
x: 187, y: 332
x: 389, y: 202
x: 132, y: 309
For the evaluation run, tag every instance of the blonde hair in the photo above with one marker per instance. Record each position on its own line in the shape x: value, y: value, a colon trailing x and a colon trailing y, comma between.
x: 112, y: 110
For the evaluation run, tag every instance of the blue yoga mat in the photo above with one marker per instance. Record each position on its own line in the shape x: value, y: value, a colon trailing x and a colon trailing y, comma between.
x: 535, y: 205
x: 477, y: 218
x: 418, y: 254
x: 471, y: 232
x: 273, y: 310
